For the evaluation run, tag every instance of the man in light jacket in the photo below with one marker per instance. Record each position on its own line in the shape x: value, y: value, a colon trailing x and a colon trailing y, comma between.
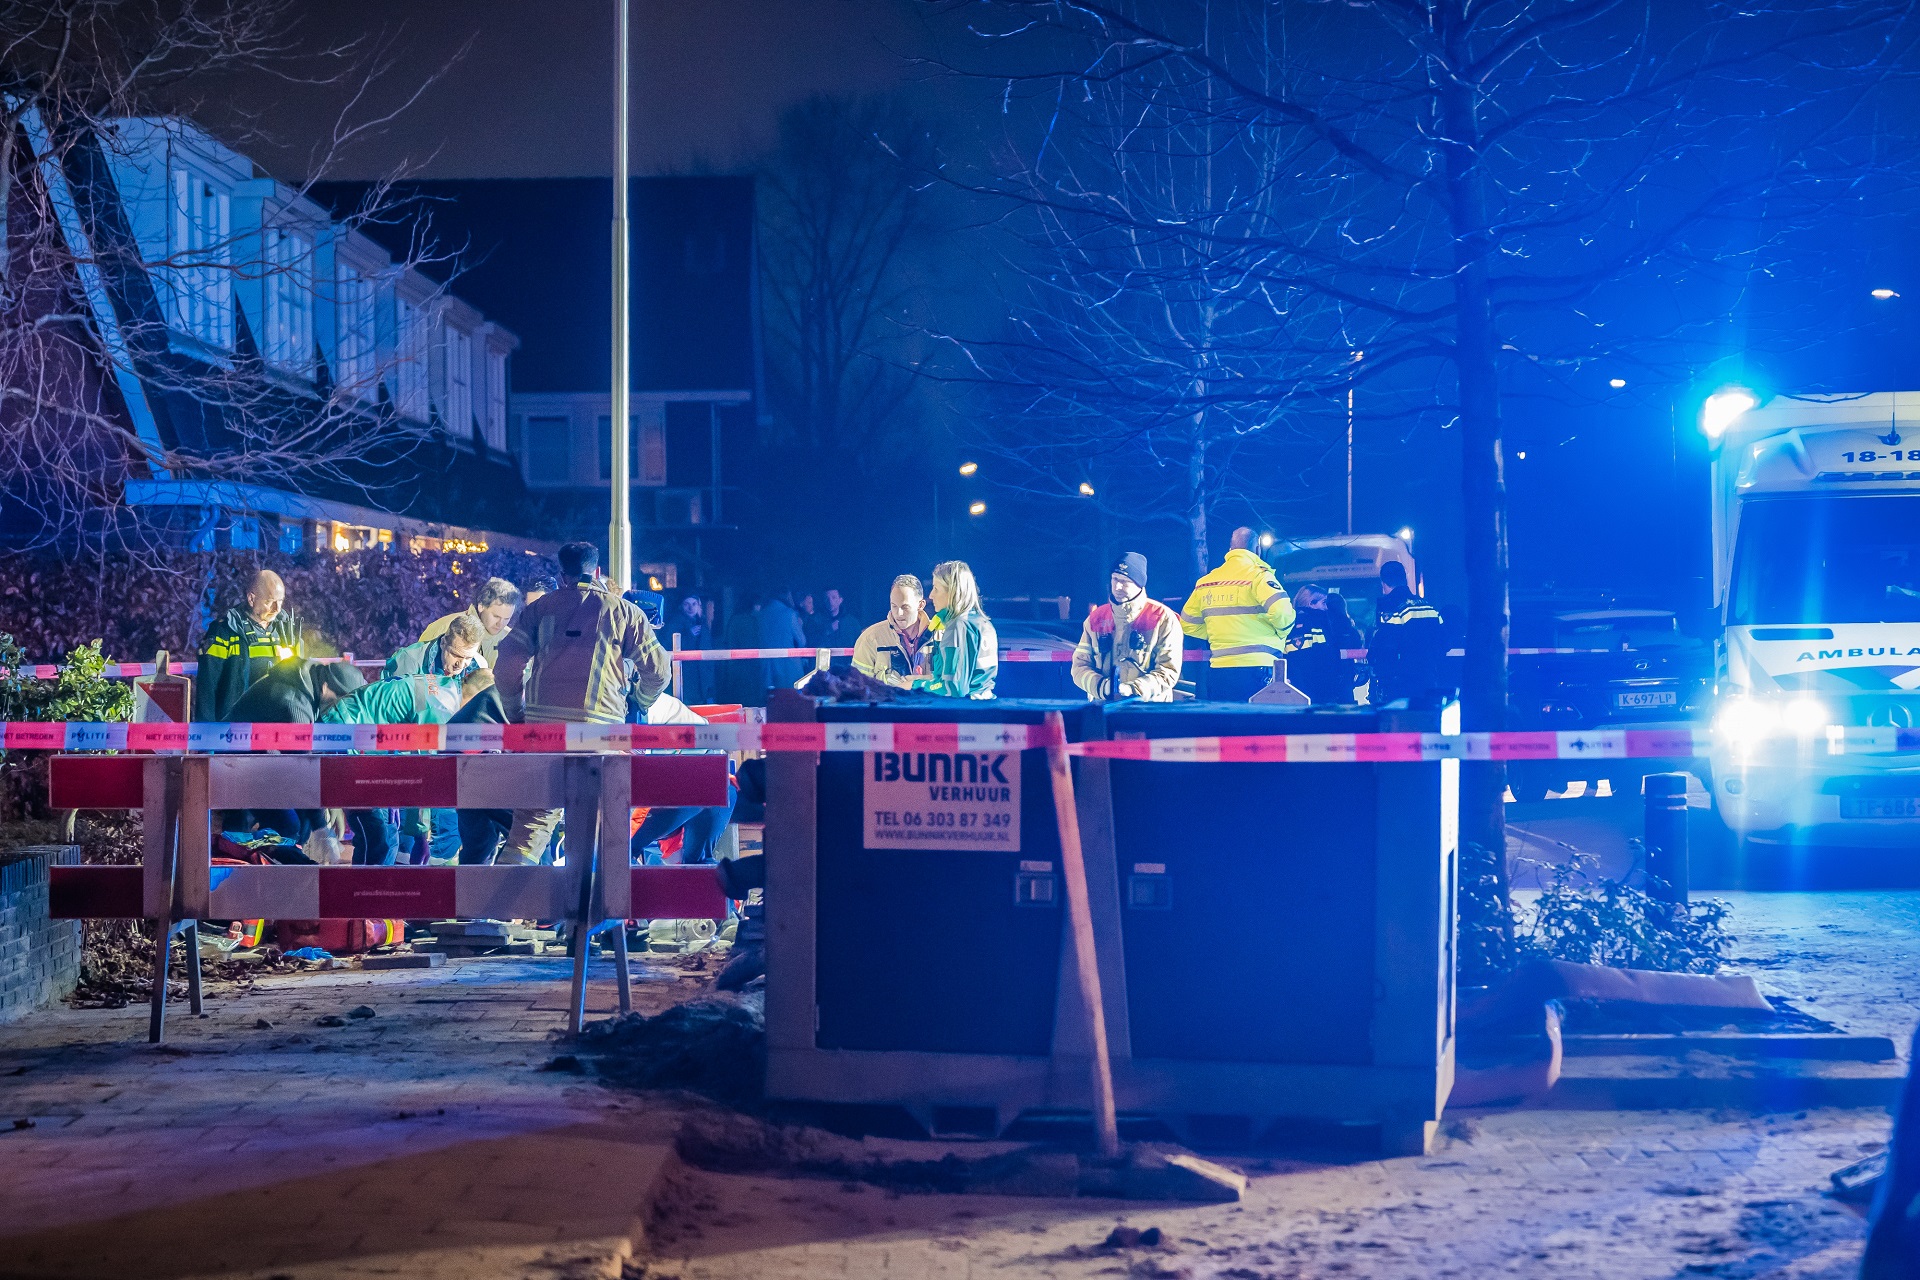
x: 1130, y: 646
x: 566, y: 662
x: 894, y: 650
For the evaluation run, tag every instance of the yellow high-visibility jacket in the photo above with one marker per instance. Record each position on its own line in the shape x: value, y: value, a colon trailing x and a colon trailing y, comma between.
x: 1241, y: 611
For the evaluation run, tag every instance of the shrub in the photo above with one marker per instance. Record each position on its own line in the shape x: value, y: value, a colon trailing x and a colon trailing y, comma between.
x: 368, y: 603
x: 1584, y: 918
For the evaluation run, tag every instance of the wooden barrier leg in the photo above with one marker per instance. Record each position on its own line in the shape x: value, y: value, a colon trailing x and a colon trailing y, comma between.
x: 162, y: 948
x: 1073, y: 865
x: 620, y: 965
x: 160, y: 841
x: 190, y: 930
x: 583, y: 842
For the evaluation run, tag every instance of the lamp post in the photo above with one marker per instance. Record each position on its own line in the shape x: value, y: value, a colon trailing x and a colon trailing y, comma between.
x: 620, y: 529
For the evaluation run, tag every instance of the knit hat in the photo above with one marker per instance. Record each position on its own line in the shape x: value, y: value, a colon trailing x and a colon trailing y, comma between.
x: 1133, y: 566
x: 342, y: 677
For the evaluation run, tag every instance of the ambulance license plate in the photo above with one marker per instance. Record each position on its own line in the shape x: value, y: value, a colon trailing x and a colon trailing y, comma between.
x: 1647, y: 698
x: 1880, y: 807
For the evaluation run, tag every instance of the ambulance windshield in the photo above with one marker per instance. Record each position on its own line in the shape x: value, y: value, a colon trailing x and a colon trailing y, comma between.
x: 1827, y: 560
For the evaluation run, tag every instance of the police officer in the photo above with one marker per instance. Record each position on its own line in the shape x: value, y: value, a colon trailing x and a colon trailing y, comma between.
x: 1407, y: 647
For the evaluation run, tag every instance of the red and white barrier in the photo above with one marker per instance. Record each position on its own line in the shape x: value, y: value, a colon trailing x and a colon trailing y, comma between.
x: 178, y: 885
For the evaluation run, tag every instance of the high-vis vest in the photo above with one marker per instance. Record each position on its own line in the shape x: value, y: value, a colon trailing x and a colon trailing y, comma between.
x: 1240, y: 610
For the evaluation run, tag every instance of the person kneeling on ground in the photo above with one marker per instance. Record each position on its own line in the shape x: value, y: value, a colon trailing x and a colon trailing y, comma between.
x: 701, y: 826
x: 481, y: 830
x: 414, y: 700
x: 294, y: 691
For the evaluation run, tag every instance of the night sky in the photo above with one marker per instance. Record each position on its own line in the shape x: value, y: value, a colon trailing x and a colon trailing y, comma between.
x: 532, y: 96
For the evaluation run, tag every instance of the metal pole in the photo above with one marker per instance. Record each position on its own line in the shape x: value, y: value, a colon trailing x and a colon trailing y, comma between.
x: 620, y: 531
x: 1349, y: 458
x: 1665, y: 835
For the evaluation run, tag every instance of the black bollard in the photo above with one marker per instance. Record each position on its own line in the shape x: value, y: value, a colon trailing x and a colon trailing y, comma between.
x: 1665, y: 834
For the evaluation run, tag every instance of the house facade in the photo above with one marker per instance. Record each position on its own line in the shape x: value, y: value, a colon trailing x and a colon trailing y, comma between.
x: 239, y: 318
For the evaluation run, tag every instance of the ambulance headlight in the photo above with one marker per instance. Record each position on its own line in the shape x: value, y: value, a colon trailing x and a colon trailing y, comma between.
x: 1743, y: 722
x: 1806, y: 717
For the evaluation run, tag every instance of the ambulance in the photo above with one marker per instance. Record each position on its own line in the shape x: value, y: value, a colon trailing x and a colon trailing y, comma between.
x: 1816, y: 567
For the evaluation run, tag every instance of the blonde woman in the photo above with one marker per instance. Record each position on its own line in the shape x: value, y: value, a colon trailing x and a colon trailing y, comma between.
x: 966, y: 651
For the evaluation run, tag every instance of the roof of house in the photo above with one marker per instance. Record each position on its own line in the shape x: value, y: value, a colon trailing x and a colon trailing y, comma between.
x: 534, y: 255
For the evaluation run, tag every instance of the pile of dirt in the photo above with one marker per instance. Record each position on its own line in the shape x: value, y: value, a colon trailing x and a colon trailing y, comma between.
x: 716, y: 1046
x: 730, y: 1142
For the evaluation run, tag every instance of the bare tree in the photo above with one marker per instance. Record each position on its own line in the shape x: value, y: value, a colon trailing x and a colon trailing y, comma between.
x: 89, y: 312
x: 841, y: 207
x: 1464, y: 190
x: 1139, y: 368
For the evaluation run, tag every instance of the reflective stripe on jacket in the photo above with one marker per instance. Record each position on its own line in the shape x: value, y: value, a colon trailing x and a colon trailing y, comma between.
x: 1406, y: 650
x: 883, y: 654
x: 1240, y: 610
x: 1138, y: 644
x: 235, y: 654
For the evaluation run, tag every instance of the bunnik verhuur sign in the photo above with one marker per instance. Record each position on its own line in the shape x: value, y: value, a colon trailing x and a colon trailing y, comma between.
x: 943, y: 800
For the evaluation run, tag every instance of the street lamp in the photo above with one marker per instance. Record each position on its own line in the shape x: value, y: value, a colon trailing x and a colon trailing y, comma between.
x: 968, y: 468
x: 1616, y: 383
x: 1884, y: 294
x: 620, y: 526
x: 976, y: 508
x: 1406, y: 535
x: 1266, y: 540
x: 1086, y: 489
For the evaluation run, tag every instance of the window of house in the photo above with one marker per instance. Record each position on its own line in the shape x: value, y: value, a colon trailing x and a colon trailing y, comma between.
x: 457, y: 409
x: 410, y: 361
x: 199, y: 265
x: 496, y: 421
x: 353, y: 321
x: 549, y: 455
x: 603, y: 432
x: 287, y: 291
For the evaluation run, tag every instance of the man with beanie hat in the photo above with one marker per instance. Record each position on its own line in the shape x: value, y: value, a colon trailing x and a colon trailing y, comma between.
x: 1130, y: 646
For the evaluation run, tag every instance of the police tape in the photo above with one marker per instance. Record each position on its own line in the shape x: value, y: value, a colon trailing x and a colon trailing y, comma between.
x: 1670, y: 743
x: 135, y: 670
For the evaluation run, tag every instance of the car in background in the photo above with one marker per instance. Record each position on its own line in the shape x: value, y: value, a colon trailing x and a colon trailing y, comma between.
x: 1036, y: 657
x: 1348, y: 563
x: 1597, y: 668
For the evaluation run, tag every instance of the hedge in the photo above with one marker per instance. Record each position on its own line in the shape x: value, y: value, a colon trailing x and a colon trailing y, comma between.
x: 367, y: 603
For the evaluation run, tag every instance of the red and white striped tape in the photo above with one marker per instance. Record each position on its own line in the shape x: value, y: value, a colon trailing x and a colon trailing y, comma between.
x: 134, y: 670
x: 130, y: 670
x: 872, y: 736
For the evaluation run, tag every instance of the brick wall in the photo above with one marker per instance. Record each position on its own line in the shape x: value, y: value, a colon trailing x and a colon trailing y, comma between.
x: 39, y: 958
